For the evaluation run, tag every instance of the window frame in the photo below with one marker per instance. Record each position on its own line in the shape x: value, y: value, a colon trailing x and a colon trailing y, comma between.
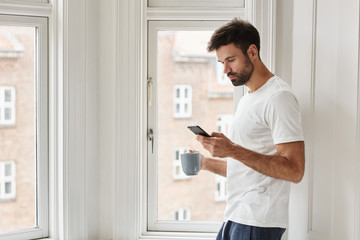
x: 41, y: 65
x: 260, y: 13
x: 4, y: 179
x: 182, y: 101
x: 3, y: 105
x: 177, y: 164
x: 196, y: 3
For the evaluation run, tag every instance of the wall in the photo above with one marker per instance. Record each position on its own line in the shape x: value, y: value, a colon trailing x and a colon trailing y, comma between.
x: 284, y: 39
x: 325, y: 78
x: 78, y: 38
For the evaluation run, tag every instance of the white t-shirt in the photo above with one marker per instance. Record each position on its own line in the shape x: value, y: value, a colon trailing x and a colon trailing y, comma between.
x: 265, y: 117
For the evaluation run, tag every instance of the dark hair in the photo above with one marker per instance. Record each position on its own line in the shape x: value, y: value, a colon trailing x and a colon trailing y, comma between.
x: 239, y: 32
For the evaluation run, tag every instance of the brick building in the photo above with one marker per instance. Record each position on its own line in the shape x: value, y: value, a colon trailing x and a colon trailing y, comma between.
x: 17, y: 121
x: 191, y: 91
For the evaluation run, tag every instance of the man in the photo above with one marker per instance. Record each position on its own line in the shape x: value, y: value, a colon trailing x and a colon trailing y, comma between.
x: 265, y: 151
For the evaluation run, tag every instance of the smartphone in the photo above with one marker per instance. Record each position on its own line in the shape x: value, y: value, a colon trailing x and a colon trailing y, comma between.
x: 199, y: 130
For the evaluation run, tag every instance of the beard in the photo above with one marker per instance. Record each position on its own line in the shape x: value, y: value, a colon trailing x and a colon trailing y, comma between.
x: 244, y: 76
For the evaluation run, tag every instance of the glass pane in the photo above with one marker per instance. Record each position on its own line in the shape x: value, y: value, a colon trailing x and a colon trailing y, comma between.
x: 7, y: 187
x: 183, y: 60
x: 7, y: 113
x: 8, y: 170
x: 7, y: 96
x: 17, y: 138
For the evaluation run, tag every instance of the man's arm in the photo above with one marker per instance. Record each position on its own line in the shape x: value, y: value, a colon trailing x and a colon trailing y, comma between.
x: 213, y: 165
x: 288, y: 164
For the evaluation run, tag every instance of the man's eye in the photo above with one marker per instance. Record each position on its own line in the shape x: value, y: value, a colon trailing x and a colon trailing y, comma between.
x: 231, y: 60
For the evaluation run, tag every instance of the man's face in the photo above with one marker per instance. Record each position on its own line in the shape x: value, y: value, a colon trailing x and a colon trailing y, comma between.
x: 237, y: 66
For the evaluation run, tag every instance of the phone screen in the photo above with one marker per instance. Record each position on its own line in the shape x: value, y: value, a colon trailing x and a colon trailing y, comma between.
x: 199, y: 130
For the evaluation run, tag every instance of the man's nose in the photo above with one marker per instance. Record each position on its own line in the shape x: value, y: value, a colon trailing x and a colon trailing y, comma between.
x: 226, y: 68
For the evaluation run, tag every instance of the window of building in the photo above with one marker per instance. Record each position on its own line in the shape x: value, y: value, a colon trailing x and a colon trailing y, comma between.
x: 223, y: 123
x: 7, y: 180
x: 220, y: 192
x: 178, y: 172
x: 182, y: 101
x: 183, y: 214
x: 7, y: 106
x: 221, y: 77
x: 24, y: 105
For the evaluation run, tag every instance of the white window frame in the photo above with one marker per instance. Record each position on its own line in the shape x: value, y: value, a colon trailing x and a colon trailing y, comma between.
x: 182, y: 101
x: 7, y: 105
x: 40, y: 23
x: 5, y: 179
x: 220, y: 194
x: 260, y: 13
x: 178, y: 172
x: 197, y: 3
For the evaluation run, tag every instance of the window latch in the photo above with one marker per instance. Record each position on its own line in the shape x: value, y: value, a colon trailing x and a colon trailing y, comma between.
x: 151, y: 138
x: 149, y: 86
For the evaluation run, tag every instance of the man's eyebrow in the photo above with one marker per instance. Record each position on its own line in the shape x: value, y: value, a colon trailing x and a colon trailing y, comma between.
x: 226, y: 59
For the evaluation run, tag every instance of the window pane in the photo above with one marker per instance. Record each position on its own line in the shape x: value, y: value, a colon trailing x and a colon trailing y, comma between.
x: 17, y: 135
x: 183, y: 61
x: 7, y: 96
x: 7, y: 113
x: 8, y: 170
x: 7, y: 187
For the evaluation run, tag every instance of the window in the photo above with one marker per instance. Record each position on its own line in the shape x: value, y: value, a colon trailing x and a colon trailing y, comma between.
x: 182, y: 101
x: 7, y: 180
x: 23, y: 127
x: 182, y: 214
x: 7, y: 106
x: 223, y: 123
x: 192, y: 71
x: 220, y: 193
x: 177, y: 57
x: 178, y: 172
x: 221, y: 77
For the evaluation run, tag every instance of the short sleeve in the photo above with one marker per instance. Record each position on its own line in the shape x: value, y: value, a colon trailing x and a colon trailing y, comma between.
x: 283, y: 117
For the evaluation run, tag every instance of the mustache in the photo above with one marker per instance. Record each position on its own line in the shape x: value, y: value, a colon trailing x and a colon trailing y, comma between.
x: 230, y: 74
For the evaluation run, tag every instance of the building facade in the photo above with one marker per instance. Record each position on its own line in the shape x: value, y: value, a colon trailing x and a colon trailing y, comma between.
x: 192, y: 90
x: 17, y: 121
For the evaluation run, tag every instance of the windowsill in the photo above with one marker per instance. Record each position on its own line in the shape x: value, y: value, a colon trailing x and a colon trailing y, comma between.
x: 177, y: 236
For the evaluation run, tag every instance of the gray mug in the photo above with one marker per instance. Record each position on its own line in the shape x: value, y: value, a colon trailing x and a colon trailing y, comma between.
x: 190, y: 163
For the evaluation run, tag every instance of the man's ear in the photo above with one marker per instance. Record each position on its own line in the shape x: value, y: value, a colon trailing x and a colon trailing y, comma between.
x: 252, y: 52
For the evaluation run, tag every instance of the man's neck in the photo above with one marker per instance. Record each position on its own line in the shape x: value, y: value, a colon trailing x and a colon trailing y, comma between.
x: 259, y: 77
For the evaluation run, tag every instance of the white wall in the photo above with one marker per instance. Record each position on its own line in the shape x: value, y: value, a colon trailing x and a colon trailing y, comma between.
x: 284, y: 37
x: 78, y: 62
x: 325, y: 77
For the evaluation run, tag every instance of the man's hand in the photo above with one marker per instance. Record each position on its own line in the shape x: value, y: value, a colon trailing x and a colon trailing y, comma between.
x: 288, y: 164
x: 202, y: 160
x: 218, y: 145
